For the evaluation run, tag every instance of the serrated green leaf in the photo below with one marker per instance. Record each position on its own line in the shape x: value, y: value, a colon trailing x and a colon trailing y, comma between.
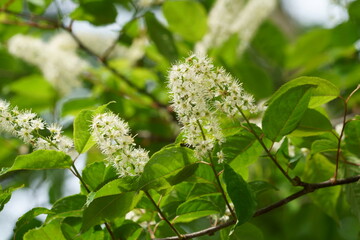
x: 194, y: 209
x: 241, y: 195
x: 323, y: 92
x: 108, y: 208
x: 162, y: 37
x: 50, y: 231
x: 168, y: 167
x: 41, y: 159
x: 83, y: 140
x: 312, y: 123
x: 285, y: 112
x: 26, y: 221
x: 187, y: 18
x: 352, y: 137
x: 5, y: 195
x: 97, y: 174
x: 317, y: 169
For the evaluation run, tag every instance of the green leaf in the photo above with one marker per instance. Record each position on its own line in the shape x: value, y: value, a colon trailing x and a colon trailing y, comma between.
x: 129, y: 230
x: 323, y: 91
x: 258, y: 187
x: 352, y: 137
x: 317, y: 169
x: 353, y: 191
x: 108, y: 208
x: 285, y: 112
x: 93, y: 11
x: 97, y: 174
x: 25, y: 222
x: 5, y: 195
x: 201, y: 190
x: 82, y: 136
x: 240, y: 194
x: 168, y: 167
x: 70, y: 206
x: 50, y: 231
x: 323, y: 145
x: 194, y: 209
x: 116, y: 186
x: 162, y: 37
x: 41, y: 159
x: 187, y: 18
x: 312, y: 123
x: 247, y: 231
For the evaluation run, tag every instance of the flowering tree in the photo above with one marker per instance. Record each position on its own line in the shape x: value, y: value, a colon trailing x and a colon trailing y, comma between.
x: 234, y: 118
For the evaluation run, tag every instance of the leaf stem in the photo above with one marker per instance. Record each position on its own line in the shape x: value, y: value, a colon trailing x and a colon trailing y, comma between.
x: 252, y: 130
x: 179, y: 236
x: 78, y: 175
x: 216, y: 175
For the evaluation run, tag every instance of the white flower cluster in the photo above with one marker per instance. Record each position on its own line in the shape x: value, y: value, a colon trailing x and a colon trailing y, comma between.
x: 27, y: 126
x: 112, y: 136
x: 198, y: 91
x: 228, y: 17
x: 57, y: 59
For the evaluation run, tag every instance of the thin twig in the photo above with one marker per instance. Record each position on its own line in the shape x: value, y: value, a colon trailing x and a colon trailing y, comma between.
x: 179, y: 236
x: 216, y: 175
x: 252, y: 130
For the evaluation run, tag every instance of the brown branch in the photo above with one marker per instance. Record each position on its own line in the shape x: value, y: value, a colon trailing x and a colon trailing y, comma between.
x: 307, y: 188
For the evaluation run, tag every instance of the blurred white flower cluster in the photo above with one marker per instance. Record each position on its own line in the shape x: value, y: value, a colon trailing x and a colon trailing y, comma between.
x: 25, y: 125
x: 101, y: 42
x: 228, y: 17
x: 198, y: 90
x: 57, y: 59
x: 149, y: 3
x: 112, y: 136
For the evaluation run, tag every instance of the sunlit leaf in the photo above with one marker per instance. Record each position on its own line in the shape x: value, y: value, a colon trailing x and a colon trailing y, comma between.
x: 82, y: 136
x: 98, y: 173
x: 26, y: 221
x: 188, y: 18
x: 50, y: 231
x: 285, y: 112
x: 41, y: 159
x: 5, y: 195
x: 168, y: 167
x: 323, y: 91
